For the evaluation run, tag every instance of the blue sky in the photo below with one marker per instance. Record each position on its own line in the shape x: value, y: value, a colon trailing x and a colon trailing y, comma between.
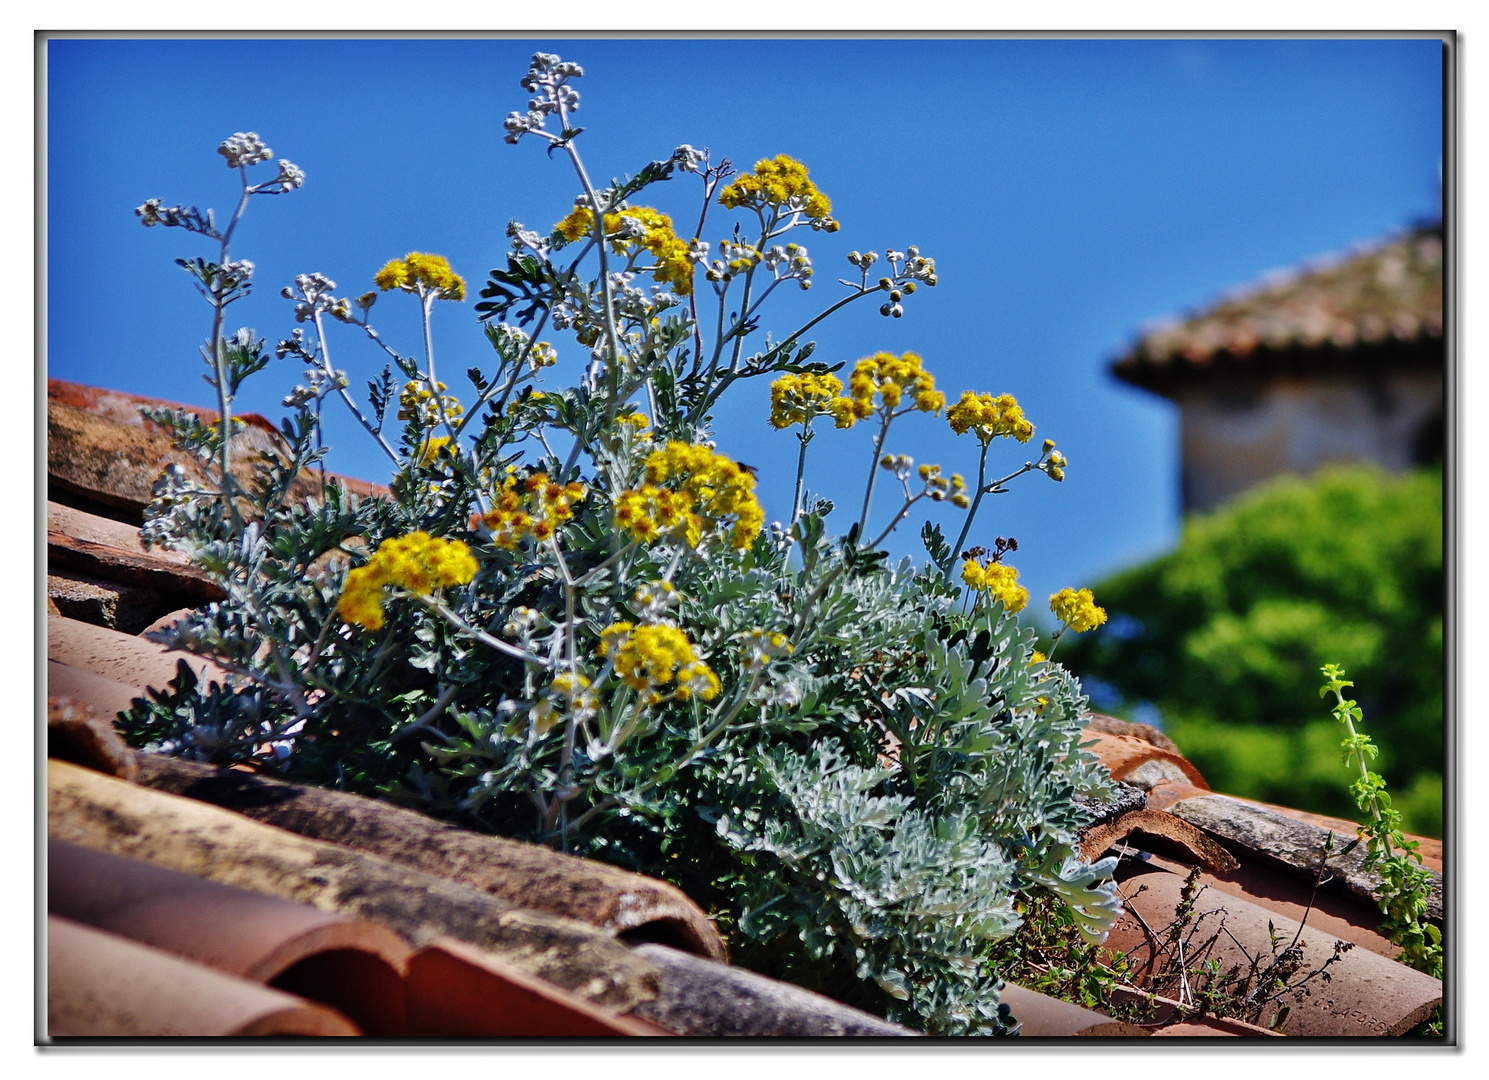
x: 1070, y: 191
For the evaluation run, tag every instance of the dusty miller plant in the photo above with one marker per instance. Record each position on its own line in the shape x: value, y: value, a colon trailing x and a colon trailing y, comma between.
x: 568, y: 622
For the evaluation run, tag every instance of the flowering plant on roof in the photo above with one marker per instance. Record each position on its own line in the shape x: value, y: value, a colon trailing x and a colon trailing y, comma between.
x: 568, y: 620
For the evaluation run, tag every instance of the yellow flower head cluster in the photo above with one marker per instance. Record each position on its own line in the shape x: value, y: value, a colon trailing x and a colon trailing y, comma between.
x: 418, y: 562
x: 533, y: 508
x: 432, y: 447
x: 797, y: 399
x: 417, y: 400
x: 891, y: 377
x: 417, y: 272
x: 938, y: 487
x: 703, y: 491
x: 998, y: 581
x: 760, y: 648
x: 1055, y: 464
x: 649, y: 657
x: 673, y: 266
x: 569, y: 692
x: 989, y: 417
x: 780, y: 182
x: 1077, y: 609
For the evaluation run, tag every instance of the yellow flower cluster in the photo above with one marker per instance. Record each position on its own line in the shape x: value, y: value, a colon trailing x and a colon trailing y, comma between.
x: 432, y: 447
x: 797, y: 399
x: 1077, y: 609
x: 418, y: 562
x: 673, y: 266
x: 989, y: 417
x: 998, y: 581
x: 779, y: 182
x: 649, y: 657
x: 938, y: 487
x: 533, y: 507
x: 418, y: 400
x: 891, y: 377
x: 705, y: 489
x: 760, y: 648
x: 569, y: 692
x: 417, y: 272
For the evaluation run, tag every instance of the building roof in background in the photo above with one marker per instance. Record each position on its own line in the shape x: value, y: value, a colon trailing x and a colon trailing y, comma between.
x: 1382, y: 303
x: 353, y: 916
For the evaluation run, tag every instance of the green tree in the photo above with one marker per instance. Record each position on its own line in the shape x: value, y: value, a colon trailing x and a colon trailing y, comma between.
x: 1225, y: 635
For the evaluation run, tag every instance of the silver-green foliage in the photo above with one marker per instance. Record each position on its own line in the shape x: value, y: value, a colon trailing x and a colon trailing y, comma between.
x: 858, y: 809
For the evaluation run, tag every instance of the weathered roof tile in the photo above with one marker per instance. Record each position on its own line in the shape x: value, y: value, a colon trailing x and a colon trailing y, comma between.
x: 1386, y: 299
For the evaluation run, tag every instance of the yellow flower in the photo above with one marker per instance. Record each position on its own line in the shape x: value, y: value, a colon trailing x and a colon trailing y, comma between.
x: 577, y: 224
x: 989, y: 418
x: 1077, y: 609
x: 673, y: 267
x: 531, y: 508
x: 998, y: 581
x: 706, y: 493
x: 417, y: 272
x: 418, y: 563
x: 416, y: 400
x: 890, y: 377
x: 780, y: 183
x: 568, y: 693
x: 798, y: 399
x: 648, y: 657
x: 432, y: 448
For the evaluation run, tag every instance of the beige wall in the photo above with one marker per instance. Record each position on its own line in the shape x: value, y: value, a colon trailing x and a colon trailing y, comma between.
x: 1232, y: 440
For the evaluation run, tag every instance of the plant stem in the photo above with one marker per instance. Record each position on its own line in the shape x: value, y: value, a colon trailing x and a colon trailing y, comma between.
x: 377, y: 435
x: 971, y: 510
x: 868, y: 494
x: 801, y: 465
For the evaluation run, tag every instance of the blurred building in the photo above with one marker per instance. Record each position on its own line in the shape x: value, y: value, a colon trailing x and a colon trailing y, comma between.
x: 1340, y: 360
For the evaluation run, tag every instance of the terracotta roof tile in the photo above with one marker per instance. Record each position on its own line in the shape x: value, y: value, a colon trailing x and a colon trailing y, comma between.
x: 705, y: 997
x: 106, y: 697
x: 458, y: 992
x: 1140, y: 763
x: 351, y: 965
x: 1386, y: 299
x: 76, y: 733
x: 133, y: 661
x: 1041, y: 1016
x: 81, y: 525
x: 1147, y: 826
x: 1288, y: 843
x: 1428, y: 847
x: 1366, y: 994
x: 134, y: 568
x: 1162, y: 1011
x: 534, y: 877
x: 102, y: 985
x: 103, y: 454
x: 1335, y: 913
x: 93, y: 810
